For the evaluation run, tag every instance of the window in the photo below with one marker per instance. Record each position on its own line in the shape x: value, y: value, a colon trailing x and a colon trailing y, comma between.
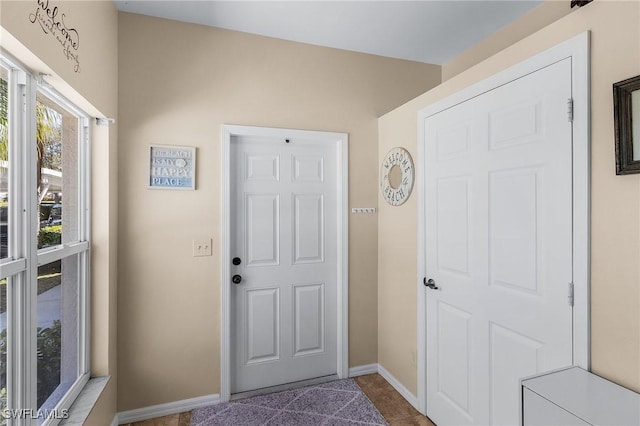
x: 44, y: 257
x: 4, y: 225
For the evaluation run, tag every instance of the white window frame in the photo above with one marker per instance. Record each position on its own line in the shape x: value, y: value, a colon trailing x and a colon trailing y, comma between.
x: 24, y: 258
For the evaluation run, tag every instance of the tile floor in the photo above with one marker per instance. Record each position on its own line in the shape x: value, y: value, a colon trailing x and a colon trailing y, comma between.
x: 182, y: 419
x: 335, y: 403
x: 393, y: 407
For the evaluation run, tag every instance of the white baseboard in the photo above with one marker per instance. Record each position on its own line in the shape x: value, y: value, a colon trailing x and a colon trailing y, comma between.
x: 114, y: 422
x: 411, y: 398
x: 361, y: 370
x: 146, y: 413
x: 377, y: 368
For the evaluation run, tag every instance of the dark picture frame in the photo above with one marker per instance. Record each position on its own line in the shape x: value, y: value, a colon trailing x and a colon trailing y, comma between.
x: 625, y: 116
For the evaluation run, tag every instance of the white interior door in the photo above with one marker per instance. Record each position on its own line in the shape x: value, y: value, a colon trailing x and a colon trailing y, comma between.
x: 498, y: 195
x: 283, y: 231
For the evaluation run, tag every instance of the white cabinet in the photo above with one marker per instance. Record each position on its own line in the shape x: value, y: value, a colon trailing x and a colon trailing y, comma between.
x: 575, y: 397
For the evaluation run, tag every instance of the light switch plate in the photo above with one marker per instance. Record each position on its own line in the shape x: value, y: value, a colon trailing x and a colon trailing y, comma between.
x: 202, y: 247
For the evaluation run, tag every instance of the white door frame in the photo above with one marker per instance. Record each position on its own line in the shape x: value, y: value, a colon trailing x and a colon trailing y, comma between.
x: 341, y: 141
x: 576, y: 48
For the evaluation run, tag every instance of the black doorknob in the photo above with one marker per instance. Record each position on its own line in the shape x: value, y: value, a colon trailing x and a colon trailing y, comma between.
x: 236, y: 279
x: 430, y: 283
x: 236, y: 261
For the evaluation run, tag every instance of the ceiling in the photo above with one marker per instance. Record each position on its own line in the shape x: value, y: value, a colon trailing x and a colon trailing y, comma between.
x: 421, y: 30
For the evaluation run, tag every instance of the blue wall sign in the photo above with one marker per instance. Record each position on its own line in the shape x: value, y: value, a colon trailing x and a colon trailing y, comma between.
x: 172, y: 167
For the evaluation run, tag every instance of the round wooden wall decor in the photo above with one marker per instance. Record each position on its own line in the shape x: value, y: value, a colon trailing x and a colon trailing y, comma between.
x: 396, y: 176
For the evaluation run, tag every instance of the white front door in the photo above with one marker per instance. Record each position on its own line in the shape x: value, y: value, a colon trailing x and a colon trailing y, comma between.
x: 283, y: 239
x: 498, y: 195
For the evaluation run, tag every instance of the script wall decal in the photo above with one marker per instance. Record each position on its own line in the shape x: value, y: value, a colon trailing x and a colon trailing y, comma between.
x: 52, y: 21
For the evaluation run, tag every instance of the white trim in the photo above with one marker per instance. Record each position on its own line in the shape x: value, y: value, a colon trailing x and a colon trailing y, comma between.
x: 406, y: 394
x: 576, y: 48
x: 114, y: 422
x: 160, y: 410
x: 29, y: 300
x: 12, y: 267
x: 343, y: 251
x: 84, y: 358
x: 51, y: 254
x: 225, y: 270
x: 361, y: 370
x: 67, y: 399
x: 580, y: 81
x: 81, y: 407
x: 421, y: 289
x: 342, y: 146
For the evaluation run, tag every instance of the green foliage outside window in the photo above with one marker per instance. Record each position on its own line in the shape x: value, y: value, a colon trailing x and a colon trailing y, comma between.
x: 50, y: 236
x: 49, y: 354
x: 49, y: 344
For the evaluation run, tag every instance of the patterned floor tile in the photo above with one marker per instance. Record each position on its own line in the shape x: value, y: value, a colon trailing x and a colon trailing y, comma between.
x: 321, y: 401
x: 276, y: 401
x: 335, y: 421
x: 241, y: 414
x: 200, y: 415
x: 292, y: 418
x: 347, y: 384
x: 338, y: 403
x: 362, y: 410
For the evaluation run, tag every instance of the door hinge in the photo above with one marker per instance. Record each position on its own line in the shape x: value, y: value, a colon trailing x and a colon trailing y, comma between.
x: 571, y: 294
x: 570, y: 109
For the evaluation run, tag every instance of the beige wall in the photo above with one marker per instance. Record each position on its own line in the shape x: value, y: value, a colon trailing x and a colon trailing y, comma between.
x: 615, y: 203
x: 178, y: 84
x: 168, y: 315
x: 94, y: 88
x: 541, y: 16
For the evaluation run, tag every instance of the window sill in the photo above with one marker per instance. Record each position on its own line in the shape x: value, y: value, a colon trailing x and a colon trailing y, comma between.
x: 82, y: 406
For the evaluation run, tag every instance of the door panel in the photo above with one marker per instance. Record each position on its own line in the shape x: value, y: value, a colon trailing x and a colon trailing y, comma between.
x: 452, y: 142
x: 453, y: 225
x: 308, y: 168
x: 262, y: 307
x: 265, y: 167
x: 513, y: 229
x: 263, y: 233
x: 308, y: 228
x: 498, y: 245
x: 512, y: 354
x: 516, y: 124
x: 454, y: 350
x: 309, y: 319
x: 284, y: 314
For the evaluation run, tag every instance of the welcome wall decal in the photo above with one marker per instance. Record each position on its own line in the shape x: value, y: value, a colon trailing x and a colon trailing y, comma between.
x: 52, y: 22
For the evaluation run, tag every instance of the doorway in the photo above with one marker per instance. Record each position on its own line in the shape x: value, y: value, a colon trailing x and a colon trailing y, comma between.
x: 284, y: 274
x: 504, y: 231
